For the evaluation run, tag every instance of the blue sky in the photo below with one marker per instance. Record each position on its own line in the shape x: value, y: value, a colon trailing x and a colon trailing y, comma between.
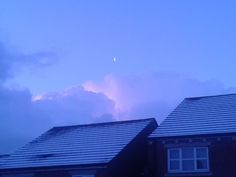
x: 57, y: 68
x: 194, y: 38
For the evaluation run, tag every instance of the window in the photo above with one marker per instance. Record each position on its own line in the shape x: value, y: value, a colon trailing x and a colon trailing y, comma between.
x: 188, y: 159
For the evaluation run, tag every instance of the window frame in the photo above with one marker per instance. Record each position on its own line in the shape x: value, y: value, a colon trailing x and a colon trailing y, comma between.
x: 180, y: 159
x: 18, y: 175
x: 82, y: 175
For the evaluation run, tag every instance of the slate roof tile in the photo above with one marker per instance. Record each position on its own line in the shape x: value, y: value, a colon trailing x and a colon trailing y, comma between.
x: 200, y: 116
x: 77, y: 145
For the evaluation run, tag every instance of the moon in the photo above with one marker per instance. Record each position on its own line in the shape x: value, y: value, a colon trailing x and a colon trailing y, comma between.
x: 114, y: 59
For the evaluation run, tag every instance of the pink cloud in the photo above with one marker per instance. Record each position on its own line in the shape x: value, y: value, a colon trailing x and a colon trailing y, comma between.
x: 114, y: 89
x: 150, y: 94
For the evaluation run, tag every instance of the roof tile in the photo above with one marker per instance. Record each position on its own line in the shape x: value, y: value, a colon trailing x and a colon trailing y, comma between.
x: 77, y: 145
x: 199, y: 116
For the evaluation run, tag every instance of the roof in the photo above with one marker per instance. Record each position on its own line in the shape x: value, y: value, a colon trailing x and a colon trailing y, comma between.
x: 200, y: 116
x: 77, y: 145
x: 3, y: 157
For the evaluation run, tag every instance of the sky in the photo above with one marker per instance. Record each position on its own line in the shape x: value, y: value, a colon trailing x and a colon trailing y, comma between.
x: 57, y: 63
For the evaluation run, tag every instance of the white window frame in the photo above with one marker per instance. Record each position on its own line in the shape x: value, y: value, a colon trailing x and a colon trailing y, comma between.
x: 18, y: 175
x: 195, y: 158
x: 82, y: 175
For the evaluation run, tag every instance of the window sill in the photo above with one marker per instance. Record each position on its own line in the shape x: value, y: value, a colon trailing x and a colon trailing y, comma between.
x: 205, y: 174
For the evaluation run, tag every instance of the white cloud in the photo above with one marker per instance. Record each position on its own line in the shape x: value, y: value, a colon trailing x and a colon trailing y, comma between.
x: 73, y: 106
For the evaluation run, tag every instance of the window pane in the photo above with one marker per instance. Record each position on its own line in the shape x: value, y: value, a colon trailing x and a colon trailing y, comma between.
x: 188, y: 165
x: 201, y: 152
x: 187, y: 153
x: 174, y: 153
x: 174, y: 164
x: 201, y: 164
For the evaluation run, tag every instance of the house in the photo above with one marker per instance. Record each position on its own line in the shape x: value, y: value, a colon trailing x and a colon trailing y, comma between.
x: 197, y: 139
x: 113, y: 149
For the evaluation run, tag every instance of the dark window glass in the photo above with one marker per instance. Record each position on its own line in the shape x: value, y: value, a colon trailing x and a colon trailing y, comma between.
x: 201, y: 152
x: 174, y: 154
x: 174, y: 165
x: 187, y: 153
x: 201, y: 164
x: 188, y: 165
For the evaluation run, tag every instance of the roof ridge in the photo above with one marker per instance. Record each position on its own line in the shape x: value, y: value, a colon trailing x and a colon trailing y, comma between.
x: 106, y: 123
x: 206, y: 96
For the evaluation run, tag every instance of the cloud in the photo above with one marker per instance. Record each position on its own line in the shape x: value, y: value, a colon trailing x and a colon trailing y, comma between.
x: 20, y: 120
x: 24, y: 116
x: 151, y: 94
x: 74, y: 105
x: 11, y: 60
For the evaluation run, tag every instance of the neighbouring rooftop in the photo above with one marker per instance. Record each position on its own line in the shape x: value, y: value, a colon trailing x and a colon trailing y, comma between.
x: 77, y: 145
x: 3, y: 157
x: 200, y: 116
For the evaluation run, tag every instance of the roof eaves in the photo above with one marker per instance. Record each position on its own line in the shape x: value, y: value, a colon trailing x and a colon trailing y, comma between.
x: 207, y: 96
